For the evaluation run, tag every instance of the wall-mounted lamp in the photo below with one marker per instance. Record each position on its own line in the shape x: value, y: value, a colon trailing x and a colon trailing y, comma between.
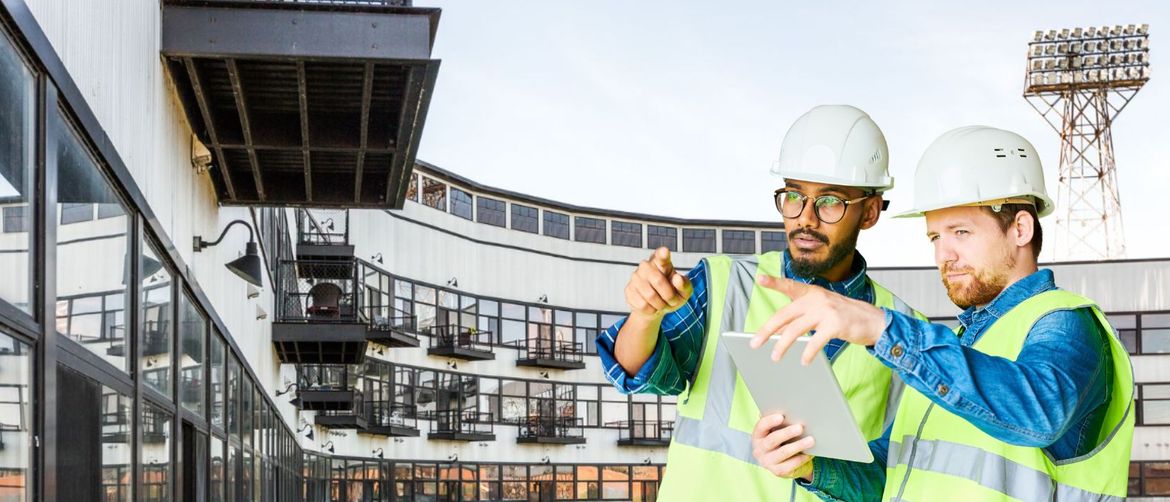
x: 378, y: 453
x: 248, y: 267
x: 328, y: 224
x: 452, y: 365
x: 328, y: 447
x: 308, y: 436
x: 399, y: 440
x: 545, y: 460
x: 544, y: 375
x: 454, y: 457
x: 453, y: 282
x: 377, y: 258
x: 543, y: 299
x: 286, y: 390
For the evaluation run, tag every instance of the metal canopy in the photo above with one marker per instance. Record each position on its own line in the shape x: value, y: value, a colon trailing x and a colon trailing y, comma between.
x: 304, y: 104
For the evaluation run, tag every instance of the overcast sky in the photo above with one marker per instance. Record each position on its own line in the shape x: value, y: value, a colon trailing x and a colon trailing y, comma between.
x: 678, y: 108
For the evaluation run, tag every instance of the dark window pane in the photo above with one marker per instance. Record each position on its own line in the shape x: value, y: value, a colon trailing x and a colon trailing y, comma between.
x: 217, y: 379
x: 460, y: 203
x: 192, y: 333
x: 524, y: 218
x: 17, y: 182
x: 590, y: 229
x: 489, y: 211
x: 16, y: 220
x: 156, y: 332
x: 773, y: 241
x: 739, y: 242
x: 95, y: 438
x: 17, y: 412
x: 76, y: 212
x: 626, y: 234
x: 698, y: 240
x: 657, y: 237
x: 92, y: 257
x: 154, y: 453
x: 556, y: 225
x: 434, y: 194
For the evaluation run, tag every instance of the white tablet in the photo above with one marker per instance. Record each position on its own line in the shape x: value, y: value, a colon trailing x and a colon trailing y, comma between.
x: 806, y: 395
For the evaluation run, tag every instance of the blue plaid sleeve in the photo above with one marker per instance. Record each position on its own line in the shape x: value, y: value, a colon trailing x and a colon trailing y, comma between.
x: 677, y: 353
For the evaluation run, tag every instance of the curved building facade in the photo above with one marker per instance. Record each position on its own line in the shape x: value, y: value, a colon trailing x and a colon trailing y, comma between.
x: 384, y: 329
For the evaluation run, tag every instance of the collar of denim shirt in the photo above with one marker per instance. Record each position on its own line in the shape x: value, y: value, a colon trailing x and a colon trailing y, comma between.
x: 855, y: 285
x: 975, y: 320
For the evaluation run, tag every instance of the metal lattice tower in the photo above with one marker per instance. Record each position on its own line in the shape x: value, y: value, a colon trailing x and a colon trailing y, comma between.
x: 1080, y: 80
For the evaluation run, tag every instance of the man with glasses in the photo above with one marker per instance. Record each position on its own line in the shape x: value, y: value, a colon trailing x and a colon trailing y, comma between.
x: 1031, y: 398
x: 833, y: 163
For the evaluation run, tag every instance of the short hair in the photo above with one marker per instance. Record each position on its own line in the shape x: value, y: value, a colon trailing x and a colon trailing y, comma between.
x: 1007, y: 214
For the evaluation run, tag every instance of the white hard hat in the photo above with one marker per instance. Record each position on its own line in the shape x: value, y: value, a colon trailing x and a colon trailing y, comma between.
x: 979, y: 166
x: 837, y: 145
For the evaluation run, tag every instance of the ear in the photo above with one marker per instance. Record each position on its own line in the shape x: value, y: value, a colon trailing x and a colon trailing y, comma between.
x: 873, y: 211
x: 1021, y: 229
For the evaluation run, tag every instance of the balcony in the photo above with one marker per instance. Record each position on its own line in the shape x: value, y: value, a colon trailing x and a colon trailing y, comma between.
x: 645, y: 433
x: 546, y: 353
x: 354, y: 417
x: 323, y: 234
x: 461, y: 343
x: 316, y: 103
x: 456, y: 425
x: 391, y: 419
x: 551, y: 430
x: 327, y: 387
x: 398, y: 330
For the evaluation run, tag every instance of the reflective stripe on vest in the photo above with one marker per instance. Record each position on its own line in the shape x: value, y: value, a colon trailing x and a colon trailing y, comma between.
x: 713, y: 432
x: 926, y: 460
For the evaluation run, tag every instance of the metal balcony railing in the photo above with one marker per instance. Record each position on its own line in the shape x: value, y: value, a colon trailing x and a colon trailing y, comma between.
x: 386, y: 318
x: 388, y: 414
x: 358, y: 409
x: 329, y: 296
x: 448, y: 337
x: 552, y: 427
x: 645, y: 430
x: 463, y: 422
x: 326, y: 377
x: 323, y: 227
x: 557, y: 350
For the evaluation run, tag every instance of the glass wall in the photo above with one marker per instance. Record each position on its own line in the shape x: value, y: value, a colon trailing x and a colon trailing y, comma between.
x: 192, y: 333
x: 157, y: 312
x: 17, y: 182
x: 16, y: 420
x: 93, y: 261
x: 154, y: 454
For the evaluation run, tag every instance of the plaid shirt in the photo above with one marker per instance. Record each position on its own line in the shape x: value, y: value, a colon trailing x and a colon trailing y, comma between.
x: 680, y: 338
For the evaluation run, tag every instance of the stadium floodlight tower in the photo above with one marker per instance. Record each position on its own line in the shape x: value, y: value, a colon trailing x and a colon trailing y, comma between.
x: 1080, y: 80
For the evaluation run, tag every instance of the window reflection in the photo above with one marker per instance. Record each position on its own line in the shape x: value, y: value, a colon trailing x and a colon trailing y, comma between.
x: 16, y: 416
x: 17, y: 182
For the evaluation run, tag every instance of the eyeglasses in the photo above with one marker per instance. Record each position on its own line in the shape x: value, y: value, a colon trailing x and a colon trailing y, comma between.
x: 828, y: 208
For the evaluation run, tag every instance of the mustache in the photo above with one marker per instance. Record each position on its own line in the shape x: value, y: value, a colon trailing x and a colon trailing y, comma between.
x: 947, y: 269
x: 808, y: 233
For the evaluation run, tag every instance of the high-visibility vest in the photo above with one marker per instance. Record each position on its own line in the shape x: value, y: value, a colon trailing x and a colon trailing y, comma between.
x: 936, y: 455
x: 710, y: 456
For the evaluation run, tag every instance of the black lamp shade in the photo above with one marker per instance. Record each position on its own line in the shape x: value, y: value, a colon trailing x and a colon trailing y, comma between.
x: 249, y: 267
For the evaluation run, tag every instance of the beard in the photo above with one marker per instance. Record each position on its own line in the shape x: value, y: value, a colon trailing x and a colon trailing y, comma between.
x: 810, y: 267
x: 982, y: 286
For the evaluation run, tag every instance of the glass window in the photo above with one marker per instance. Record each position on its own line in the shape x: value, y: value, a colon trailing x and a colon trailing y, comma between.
x: 556, y: 225
x: 109, y: 211
x: 657, y: 237
x: 16, y: 415
x: 460, y: 203
x: 524, y: 218
x: 739, y: 242
x: 589, y: 229
x: 95, y: 439
x: 155, y: 337
x: 773, y: 241
x: 217, y: 380
x: 698, y: 240
x: 1126, y: 326
x: 233, y: 396
x: 489, y: 211
x: 1155, y: 404
x: 17, y: 182
x: 217, y: 470
x: 92, y: 257
x: 155, y: 453
x: 192, y: 333
x: 76, y: 212
x: 626, y: 234
x: 412, y: 189
x: 434, y: 194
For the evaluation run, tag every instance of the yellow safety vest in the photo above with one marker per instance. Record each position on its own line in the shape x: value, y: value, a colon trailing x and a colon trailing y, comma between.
x: 936, y: 455
x: 710, y: 456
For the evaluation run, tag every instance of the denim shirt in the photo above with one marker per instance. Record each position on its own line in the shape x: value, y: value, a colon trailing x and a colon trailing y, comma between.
x: 680, y: 337
x: 1053, y: 396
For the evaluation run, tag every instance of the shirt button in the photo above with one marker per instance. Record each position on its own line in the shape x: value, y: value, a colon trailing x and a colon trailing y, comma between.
x: 897, y: 351
x: 943, y: 389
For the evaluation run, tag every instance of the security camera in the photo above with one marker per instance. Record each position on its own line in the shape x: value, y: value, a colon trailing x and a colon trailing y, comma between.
x: 200, y: 156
